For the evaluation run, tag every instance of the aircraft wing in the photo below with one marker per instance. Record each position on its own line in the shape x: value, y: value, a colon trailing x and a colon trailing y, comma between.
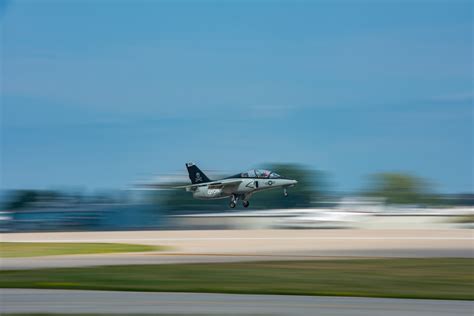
x: 226, y: 186
x: 189, y: 187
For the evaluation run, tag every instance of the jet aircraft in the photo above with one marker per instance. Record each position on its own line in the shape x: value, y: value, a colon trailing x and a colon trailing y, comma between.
x: 239, y: 186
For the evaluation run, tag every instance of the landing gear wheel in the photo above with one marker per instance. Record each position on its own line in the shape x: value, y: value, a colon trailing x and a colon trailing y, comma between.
x: 285, y: 192
x: 233, y: 200
x: 245, y: 203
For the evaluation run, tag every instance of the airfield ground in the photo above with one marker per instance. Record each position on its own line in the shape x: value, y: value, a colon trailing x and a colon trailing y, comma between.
x: 378, y: 263
x: 428, y: 278
x: 34, y: 302
x: 250, y: 245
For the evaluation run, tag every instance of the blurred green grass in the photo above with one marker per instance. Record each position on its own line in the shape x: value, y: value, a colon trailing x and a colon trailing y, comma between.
x: 36, y: 249
x: 450, y: 278
x: 465, y: 219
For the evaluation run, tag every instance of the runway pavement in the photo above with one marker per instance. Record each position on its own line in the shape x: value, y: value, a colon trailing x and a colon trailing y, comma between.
x: 169, y: 258
x: 251, y: 245
x: 75, y: 301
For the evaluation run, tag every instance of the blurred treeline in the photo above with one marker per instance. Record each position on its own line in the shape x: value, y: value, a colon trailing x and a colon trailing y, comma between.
x: 313, y: 190
x: 26, y: 199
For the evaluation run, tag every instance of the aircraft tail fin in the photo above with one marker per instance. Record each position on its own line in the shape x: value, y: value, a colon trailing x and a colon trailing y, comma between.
x: 195, y: 174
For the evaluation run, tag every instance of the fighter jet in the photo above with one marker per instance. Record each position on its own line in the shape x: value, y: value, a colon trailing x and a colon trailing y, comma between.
x: 240, y: 186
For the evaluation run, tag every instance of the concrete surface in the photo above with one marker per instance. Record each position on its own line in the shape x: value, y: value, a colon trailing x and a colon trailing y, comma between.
x: 251, y: 245
x: 75, y: 301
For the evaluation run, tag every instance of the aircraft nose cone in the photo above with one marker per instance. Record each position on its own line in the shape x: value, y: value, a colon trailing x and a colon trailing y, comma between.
x: 295, y: 182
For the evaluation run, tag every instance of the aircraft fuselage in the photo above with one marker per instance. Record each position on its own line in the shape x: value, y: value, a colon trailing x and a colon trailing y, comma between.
x: 245, y: 188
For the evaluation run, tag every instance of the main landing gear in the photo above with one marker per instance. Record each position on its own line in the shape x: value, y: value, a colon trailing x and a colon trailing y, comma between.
x: 233, y: 202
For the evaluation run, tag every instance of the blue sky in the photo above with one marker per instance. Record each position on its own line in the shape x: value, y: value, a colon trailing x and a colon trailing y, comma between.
x: 99, y: 93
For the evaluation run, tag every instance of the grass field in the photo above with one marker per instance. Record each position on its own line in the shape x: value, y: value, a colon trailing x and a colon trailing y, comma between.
x: 404, y: 278
x: 34, y: 249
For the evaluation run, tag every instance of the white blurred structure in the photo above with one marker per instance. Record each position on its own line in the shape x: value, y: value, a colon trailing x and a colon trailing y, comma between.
x: 348, y: 213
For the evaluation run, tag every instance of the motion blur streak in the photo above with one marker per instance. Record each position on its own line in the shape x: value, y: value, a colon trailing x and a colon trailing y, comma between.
x: 389, y: 201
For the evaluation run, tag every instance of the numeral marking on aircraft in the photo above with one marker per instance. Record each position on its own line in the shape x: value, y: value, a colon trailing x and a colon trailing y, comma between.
x: 213, y: 191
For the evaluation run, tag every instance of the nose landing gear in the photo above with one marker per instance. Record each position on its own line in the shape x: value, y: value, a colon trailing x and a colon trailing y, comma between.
x: 285, y: 192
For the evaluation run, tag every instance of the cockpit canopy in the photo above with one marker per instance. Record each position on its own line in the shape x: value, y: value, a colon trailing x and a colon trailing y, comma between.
x: 260, y: 173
